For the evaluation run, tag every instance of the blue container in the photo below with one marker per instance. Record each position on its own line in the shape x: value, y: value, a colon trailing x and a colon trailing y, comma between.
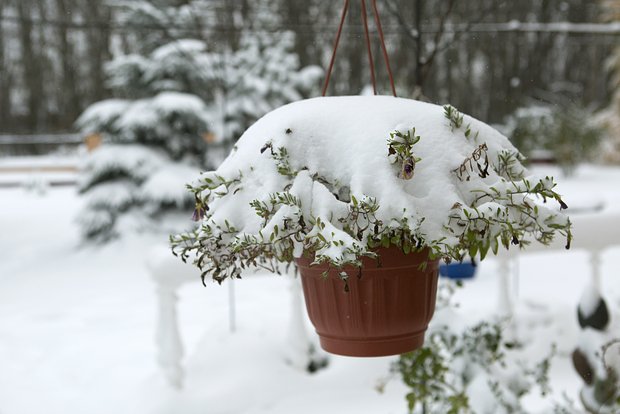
x: 458, y: 271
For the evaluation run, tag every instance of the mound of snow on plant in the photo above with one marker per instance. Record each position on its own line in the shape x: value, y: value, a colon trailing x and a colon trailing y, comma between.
x: 304, y: 170
x: 346, y: 136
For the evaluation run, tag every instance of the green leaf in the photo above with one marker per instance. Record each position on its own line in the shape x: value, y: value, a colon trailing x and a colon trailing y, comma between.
x: 407, y: 247
x: 473, y: 249
x: 385, y: 241
x: 484, y: 250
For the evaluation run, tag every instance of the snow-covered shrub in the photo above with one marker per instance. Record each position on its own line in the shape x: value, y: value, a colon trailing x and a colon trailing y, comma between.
x: 148, y: 132
x: 118, y: 179
x: 173, y: 121
x: 264, y: 74
x: 472, y: 369
x: 596, y: 357
x: 186, y: 104
x: 338, y: 177
x: 238, y: 86
x: 609, y: 118
x: 567, y: 133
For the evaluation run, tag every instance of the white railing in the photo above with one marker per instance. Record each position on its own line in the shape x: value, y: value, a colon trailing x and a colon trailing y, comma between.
x: 45, y: 170
x: 169, y: 273
x: 37, y: 139
x: 592, y: 232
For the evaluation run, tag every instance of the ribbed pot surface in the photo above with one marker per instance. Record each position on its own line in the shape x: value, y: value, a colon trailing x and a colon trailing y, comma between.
x: 385, y: 312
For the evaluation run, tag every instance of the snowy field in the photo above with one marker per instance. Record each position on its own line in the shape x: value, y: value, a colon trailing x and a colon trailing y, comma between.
x: 77, y: 322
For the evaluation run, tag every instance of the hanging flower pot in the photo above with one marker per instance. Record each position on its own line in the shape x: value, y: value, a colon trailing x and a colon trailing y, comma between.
x: 366, y: 194
x: 384, y: 309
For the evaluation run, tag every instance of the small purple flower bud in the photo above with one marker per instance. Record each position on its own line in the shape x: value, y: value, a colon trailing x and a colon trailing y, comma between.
x: 408, y: 169
x: 199, y: 212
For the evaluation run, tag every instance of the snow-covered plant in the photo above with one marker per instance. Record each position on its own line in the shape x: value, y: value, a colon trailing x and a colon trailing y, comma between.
x: 474, y: 370
x: 338, y: 177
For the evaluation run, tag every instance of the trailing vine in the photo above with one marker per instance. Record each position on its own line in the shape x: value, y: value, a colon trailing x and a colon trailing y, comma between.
x: 478, y: 158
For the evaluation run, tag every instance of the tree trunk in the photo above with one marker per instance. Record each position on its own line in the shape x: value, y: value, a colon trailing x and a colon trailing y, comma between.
x: 297, y: 20
x: 99, y: 46
x: 69, y: 97
x: 31, y: 64
x: 5, y: 81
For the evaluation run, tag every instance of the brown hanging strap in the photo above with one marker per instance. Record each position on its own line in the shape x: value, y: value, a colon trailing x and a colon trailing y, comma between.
x: 385, y: 54
x: 331, y: 62
x: 370, y: 60
x: 368, y: 48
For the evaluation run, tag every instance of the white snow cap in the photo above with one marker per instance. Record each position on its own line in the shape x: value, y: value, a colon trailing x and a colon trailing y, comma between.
x: 344, y: 139
x: 167, y: 185
x: 100, y: 114
x: 589, y: 301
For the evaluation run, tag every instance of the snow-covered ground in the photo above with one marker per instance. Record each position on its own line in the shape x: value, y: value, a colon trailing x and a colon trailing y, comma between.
x: 77, y: 322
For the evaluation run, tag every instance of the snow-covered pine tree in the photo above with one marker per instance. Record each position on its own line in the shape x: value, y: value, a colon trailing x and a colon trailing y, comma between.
x: 610, y: 117
x: 178, y: 108
x: 262, y: 75
x: 152, y: 147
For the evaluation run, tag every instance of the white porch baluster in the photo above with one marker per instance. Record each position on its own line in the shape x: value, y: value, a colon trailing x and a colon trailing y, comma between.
x: 505, y: 302
x: 169, y: 273
x: 168, y: 338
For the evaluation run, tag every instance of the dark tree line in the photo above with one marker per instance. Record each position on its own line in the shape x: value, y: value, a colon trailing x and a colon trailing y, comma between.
x: 49, y: 69
x: 53, y: 52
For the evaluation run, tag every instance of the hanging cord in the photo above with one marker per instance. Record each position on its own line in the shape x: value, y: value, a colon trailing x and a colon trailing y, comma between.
x: 331, y: 63
x: 370, y: 60
x: 385, y: 55
x: 369, y: 49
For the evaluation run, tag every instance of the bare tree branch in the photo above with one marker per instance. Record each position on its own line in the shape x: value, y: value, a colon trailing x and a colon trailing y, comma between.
x: 411, y: 33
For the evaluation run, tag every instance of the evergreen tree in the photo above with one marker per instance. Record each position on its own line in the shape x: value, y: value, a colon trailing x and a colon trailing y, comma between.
x: 611, y: 116
x: 262, y: 75
x: 178, y: 108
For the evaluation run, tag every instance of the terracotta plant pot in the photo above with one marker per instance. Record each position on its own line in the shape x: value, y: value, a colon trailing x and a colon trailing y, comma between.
x: 387, y: 307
